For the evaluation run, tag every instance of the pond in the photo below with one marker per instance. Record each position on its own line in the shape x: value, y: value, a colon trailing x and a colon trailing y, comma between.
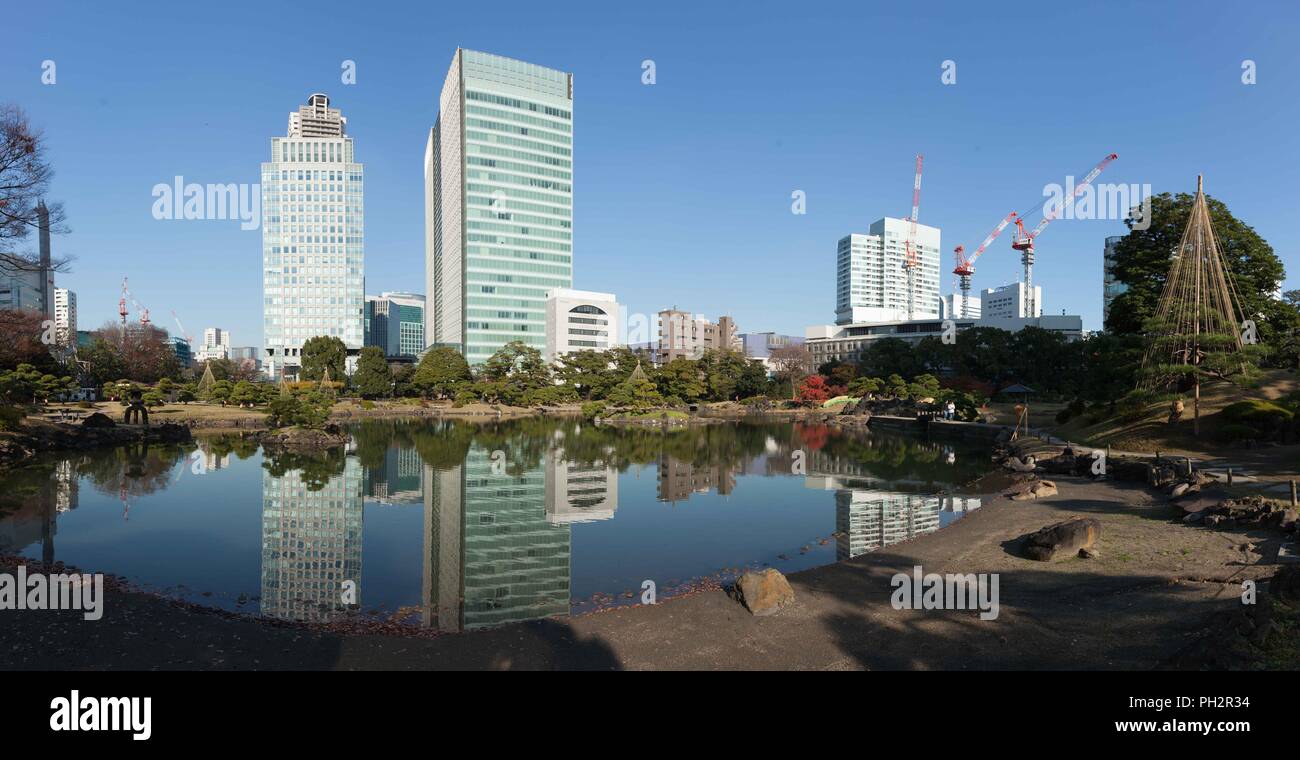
x: 460, y: 526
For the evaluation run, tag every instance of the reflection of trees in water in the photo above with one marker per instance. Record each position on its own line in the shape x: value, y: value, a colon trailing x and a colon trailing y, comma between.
x: 902, y: 457
x: 444, y: 444
x: 316, y: 467
x: 134, y: 470
x: 25, y: 486
x: 223, y: 445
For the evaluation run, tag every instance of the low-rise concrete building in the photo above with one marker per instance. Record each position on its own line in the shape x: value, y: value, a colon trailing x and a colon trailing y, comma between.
x: 847, y: 342
x: 682, y: 334
x: 580, y: 320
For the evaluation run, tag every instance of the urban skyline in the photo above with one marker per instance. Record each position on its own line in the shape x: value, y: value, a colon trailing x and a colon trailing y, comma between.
x: 973, y: 174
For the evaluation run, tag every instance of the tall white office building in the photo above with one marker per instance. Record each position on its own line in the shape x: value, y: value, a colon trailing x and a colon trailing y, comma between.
x: 870, y: 281
x: 216, y: 345
x: 498, y: 178
x: 313, y: 252
x: 65, y: 317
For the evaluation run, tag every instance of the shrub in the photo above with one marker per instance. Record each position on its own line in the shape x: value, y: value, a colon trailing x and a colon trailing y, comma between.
x: 1236, y: 432
x: 367, y: 404
x: 11, y: 418
x: 83, y: 404
x: 593, y: 409
x: 464, y: 397
x: 1264, y: 418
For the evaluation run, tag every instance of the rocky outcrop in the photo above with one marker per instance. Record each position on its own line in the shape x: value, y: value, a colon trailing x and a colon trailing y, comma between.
x: 304, y: 439
x: 1063, y: 539
x: 98, y: 420
x: 41, y: 437
x: 1031, y: 489
x: 765, y: 593
x: 1248, y: 511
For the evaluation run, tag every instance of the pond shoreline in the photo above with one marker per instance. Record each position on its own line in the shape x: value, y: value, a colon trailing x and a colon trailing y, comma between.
x: 1153, y: 591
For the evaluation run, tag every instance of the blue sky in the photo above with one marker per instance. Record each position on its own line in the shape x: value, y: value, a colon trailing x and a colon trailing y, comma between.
x: 683, y: 188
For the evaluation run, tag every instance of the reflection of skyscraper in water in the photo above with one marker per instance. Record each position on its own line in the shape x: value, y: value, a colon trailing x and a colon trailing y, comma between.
x: 65, y: 486
x: 579, y: 493
x: 215, y: 462
x: 866, y: 520
x: 397, y: 480
x: 311, y: 544
x: 492, y: 556
x: 33, y: 518
x: 679, y: 479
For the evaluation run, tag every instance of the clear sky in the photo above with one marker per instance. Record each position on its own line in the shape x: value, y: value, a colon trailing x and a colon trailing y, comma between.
x: 682, y: 188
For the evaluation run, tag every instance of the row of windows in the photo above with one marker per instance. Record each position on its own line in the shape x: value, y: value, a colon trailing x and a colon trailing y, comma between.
x: 500, y: 139
x: 519, y: 155
x: 526, y: 243
x: 501, y: 100
x: 512, y: 179
x: 489, y: 264
x: 559, y: 258
x: 494, y: 163
x: 513, y: 216
x: 558, y: 126
x: 511, y: 192
x: 519, y: 229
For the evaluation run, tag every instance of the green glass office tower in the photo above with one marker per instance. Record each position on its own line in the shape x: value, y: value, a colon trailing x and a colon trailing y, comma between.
x: 498, y: 174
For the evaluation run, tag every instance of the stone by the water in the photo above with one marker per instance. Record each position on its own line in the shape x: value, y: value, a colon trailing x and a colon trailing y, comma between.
x: 764, y: 593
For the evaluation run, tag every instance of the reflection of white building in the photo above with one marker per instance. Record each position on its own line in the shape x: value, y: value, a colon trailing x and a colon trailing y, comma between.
x: 576, y: 493
x: 65, y: 486
x: 214, y: 462
x: 311, y: 543
x: 869, y: 520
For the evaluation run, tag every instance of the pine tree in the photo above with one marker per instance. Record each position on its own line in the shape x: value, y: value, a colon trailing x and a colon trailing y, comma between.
x: 1197, y: 329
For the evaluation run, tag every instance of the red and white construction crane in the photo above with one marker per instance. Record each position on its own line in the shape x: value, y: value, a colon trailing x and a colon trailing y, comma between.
x: 1025, y: 242
x: 188, y: 338
x: 910, y: 259
x: 121, y: 306
x: 966, y: 265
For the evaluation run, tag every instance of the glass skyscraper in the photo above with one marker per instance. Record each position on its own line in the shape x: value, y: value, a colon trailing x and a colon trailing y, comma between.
x: 313, y: 274
x: 498, y: 171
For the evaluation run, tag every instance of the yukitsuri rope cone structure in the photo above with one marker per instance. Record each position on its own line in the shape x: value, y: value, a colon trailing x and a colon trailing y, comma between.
x: 1196, y: 329
x: 207, y: 381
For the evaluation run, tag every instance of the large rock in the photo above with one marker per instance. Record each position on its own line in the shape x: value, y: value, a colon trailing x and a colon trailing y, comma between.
x: 764, y: 593
x: 1286, y: 582
x: 98, y: 420
x: 1033, y: 489
x: 1063, y: 539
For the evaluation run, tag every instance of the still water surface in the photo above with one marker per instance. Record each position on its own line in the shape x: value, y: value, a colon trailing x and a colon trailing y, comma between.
x: 460, y: 526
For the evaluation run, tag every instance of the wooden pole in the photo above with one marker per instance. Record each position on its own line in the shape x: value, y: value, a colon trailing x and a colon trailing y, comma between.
x: 1293, y: 500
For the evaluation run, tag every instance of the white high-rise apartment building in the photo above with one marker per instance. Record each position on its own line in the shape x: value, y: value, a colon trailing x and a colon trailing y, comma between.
x: 498, y: 179
x: 580, y: 320
x: 65, y: 317
x: 870, y: 281
x: 313, y: 252
x: 1009, y: 302
x: 216, y: 345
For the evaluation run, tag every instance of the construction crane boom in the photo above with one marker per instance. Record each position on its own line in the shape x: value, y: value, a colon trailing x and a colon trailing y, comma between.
x: 966, y: 265
x: 910, y: 259
x: 1024, y: 242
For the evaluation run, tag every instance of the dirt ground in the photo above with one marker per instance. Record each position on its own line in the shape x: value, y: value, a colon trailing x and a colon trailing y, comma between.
x: 1152, y: 591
